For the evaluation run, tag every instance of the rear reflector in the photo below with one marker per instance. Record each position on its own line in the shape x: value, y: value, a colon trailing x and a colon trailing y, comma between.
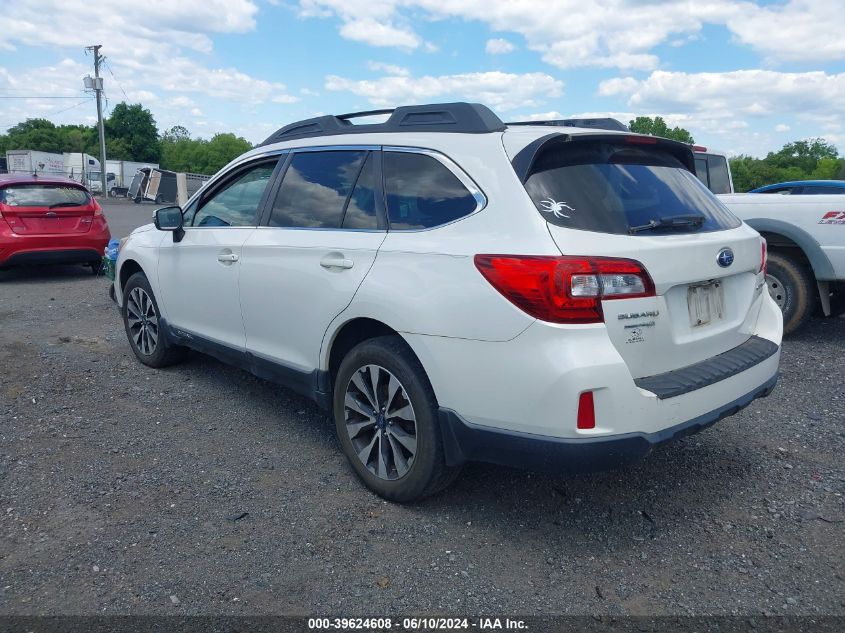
x: 564, y: 289
x: 586, y: 411
x: 764, y: 258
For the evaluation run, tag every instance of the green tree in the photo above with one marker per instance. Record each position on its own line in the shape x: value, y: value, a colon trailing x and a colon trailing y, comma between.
x: 804, y: 155
x: 135, y: 126
x: 657, y: 127
x: 180, y: 152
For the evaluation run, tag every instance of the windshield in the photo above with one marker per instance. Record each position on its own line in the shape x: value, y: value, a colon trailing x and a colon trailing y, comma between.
x: 613, y: 187
x: 42, y: 196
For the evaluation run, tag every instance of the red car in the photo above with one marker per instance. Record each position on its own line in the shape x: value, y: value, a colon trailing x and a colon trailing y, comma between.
x: 46, y: 220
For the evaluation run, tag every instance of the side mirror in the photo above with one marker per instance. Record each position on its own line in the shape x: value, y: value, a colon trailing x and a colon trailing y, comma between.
x: 170, y: 219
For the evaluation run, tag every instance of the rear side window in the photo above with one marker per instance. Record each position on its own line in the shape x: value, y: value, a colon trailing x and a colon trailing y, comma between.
x: 823, y: 190
x: 719, y: 180
x: 422, y: 192
x: 315, y: 189
x: 43, y: 196
x: 612, y: 188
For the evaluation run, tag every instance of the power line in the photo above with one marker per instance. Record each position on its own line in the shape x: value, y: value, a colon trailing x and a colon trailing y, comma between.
x: 75, y: 105
x: 111, y: 72
x: 36, y: 97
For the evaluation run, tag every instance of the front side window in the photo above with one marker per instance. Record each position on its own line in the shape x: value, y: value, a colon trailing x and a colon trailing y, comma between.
x: 237, y: 203
x: 316, y: 188
x: 43, y: 196
x: 422, y: 192
x: 611, y: 187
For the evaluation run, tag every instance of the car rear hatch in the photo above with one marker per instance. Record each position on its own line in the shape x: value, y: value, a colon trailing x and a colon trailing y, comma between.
x: 637, y: 198
x: 47, y: 209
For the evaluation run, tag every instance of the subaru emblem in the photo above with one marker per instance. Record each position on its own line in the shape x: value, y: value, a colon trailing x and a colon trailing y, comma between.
x: 725, y: 257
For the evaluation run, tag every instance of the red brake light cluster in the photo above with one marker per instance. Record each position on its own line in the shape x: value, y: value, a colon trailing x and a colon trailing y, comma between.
x: 98, y: 210
x: 564, y: 289
x: 764, y: 257
x: 641, y: 140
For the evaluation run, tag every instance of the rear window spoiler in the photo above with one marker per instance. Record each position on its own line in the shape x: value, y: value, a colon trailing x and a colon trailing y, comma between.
x: 524, y: 161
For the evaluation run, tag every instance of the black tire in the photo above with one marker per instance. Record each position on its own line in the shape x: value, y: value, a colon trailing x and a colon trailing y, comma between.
x: 428, y: 472
x: 96, y: 267
x: 163, y: 353
x: 136, y: 200
x: 112, y: 193
x: 793, y: 286
x: 159, y: 199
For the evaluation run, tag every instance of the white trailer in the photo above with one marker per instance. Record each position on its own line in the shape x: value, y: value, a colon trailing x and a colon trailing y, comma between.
x: 27, y: 161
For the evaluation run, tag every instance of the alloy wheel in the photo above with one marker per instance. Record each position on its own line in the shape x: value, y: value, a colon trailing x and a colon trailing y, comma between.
x: 143, y: 321
x: 380, y: 421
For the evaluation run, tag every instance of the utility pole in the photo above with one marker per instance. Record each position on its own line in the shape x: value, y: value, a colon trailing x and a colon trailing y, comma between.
x: 98, y: 89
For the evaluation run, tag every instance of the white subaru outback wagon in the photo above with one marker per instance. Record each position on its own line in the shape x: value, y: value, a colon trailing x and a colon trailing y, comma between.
x: 453, y: 288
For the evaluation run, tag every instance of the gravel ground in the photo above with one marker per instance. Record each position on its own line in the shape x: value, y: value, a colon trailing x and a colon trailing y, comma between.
x: 202, y: 490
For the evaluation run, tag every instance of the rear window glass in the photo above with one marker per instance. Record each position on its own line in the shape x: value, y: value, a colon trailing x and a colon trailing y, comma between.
x: 43, y: 196
x: 422, y: 192
x: 612, y: 188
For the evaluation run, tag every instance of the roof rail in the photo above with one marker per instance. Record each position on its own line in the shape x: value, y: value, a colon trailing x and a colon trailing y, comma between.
x: 460, y: 117
x: 605, y: 123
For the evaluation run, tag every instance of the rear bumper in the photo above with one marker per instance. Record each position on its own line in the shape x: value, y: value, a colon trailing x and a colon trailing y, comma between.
x: 71, y: 248
x: 465, y: 442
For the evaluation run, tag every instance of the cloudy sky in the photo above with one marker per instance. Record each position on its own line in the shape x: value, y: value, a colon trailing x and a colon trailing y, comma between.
x: 743, y: 76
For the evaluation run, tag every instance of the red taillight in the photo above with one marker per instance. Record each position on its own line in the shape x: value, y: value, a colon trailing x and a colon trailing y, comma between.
x: 641, y: 140
x: 764, y: 257
x: 98, y: 210
x: 586, y: 411
x: 564, y: 289
x: 699, y: 148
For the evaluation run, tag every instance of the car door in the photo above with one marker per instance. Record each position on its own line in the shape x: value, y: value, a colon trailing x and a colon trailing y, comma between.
x: 198, y: 276
x: 302, y: 267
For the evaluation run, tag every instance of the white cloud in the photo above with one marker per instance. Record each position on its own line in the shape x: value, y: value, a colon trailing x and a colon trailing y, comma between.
x: 605, y: 33
x: 376, y: 33
x: 782, y: 127
x: 504, y: 91
x: 723, y: 95
x: 499, y: 46
x: 388, y: 69
x: 145, y: 45
x: 796, y: 31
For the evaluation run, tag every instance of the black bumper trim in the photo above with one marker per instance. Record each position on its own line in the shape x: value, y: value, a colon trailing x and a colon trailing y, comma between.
x: 66, y: 256
x: 464, y: 442
x: 680, y: 381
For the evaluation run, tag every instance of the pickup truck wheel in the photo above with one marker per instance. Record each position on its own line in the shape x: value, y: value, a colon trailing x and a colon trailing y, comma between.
x: 386, y: 418
x: 792, y: 286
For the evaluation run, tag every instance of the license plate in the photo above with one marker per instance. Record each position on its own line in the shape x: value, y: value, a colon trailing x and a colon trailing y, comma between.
x: 706, y: 303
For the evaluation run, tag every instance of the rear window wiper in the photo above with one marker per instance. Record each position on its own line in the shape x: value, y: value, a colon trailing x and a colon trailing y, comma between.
x: 672, y: 221
x: 66, y: 204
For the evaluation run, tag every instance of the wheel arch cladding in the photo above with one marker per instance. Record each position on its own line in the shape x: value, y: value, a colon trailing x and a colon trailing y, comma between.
x: 127, y: 269
x: 822, y: 268
x: 355, y: 332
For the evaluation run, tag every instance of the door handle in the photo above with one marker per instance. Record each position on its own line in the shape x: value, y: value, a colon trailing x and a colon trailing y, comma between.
x: 227, y: 258
x: 336, y: 262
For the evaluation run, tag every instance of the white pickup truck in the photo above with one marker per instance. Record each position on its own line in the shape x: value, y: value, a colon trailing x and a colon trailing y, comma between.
x: 806, y: 242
